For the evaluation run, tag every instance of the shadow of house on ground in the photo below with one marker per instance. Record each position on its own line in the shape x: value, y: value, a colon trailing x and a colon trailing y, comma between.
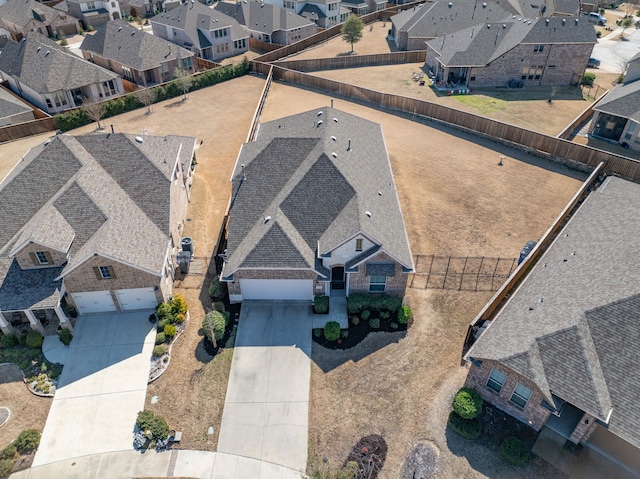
x: 328, y: 359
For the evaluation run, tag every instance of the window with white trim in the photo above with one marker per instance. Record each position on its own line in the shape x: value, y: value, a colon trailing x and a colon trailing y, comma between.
x: 104, y: 272
x: 377, y: 284
x: 42, y: 257
x: 496, y: 380
x: 359, y: 244
x: 521, y: 395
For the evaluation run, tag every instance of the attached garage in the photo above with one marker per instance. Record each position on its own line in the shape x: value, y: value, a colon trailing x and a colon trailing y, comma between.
x: 94, y: 302
x: 137, y: 298
x: 615, y: 448
x: 277, y: 289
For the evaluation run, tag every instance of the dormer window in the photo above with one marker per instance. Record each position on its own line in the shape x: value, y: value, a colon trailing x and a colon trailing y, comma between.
x: 104, y: 272
x: 42, y: 257
x: 359, y: 244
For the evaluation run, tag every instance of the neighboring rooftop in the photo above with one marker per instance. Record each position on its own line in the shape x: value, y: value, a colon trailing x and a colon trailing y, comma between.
x: 21, y: 12
x: 622, y: 100
x: 262, y: 17
x: 10, y: 105
x: 562, y: 327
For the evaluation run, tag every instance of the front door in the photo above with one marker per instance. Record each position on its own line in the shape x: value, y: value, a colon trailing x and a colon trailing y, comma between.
x: 337, y: 277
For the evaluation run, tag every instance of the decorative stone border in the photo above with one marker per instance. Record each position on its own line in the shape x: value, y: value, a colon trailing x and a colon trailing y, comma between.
x: 5, y: 414
x: 166, y: 365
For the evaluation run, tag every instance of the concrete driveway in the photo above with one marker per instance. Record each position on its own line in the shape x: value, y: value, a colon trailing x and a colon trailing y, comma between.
x: 101, y: 389
x: 266, y: 410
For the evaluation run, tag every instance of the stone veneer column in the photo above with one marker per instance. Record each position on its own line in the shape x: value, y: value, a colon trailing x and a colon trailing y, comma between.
x: 5, y: 326
x: 33, y: 321
x: 64, y: 321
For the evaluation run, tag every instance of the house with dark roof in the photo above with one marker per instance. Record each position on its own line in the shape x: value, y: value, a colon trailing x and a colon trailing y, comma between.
x: 22, y: 16
x: 100, y: 234
x: 515, y: 52
x: 12, y: 109
x: 314, y: 209
x: 617, y: 115
x: 94, y: 12
x: 140, y: 8
x: 48, y: 76
x: 326, y: 13
x: 562, y: 351
x: 136, y: 55
x: 209, y: 34
x: 269, y: 23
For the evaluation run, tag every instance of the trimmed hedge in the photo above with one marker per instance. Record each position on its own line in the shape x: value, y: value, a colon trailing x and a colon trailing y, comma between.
x: 467, y: 403
x: 467, y: 428
x: 76, y: 118
x: 380, y: 302
x: 405, y: 314
x: 321, y: 304
x: 332, y: 331
x: 514, y: 451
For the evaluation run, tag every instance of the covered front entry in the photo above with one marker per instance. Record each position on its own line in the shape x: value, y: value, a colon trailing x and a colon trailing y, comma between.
x: 136, y: 299
x: 94, y: 302
x: 277, y: 289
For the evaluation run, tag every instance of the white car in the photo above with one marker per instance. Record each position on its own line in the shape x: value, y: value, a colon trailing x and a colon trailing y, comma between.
x: 595, y: 17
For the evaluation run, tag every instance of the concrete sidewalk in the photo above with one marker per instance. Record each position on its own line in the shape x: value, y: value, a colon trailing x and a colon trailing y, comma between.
x: 266, y: 411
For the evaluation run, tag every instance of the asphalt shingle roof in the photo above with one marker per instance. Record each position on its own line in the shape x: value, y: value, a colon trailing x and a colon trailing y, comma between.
x: 10, y: 105
x: 307, y: 173
x: 46, y: 67
x: 110, y: 195
x: 623, y: 101
x: 21, y: 12
x: 118, y: 41
x: 262, y: 17
x: 563, y: 327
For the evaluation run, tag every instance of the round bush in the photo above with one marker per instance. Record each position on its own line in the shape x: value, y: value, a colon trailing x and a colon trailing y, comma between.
x: 214, y: 324
x: 404, y: 314
x: 467, y: 428
x: 156, y: 425
x: 8, y: 341
x: 317, y: 332
x: 374, y: 323
x: 159, y: 350
x: 65, y: 337
x: 27, y: 440
x: 162, y: 323
x: 355, y: 320
x: 514, y: 451
x: 170, y: 331
x: 34, y: 339
x: 332, y: 331
x: 467, y: 403
x: 160, y: 338
x: 365, y: 314
x: 8, y: 452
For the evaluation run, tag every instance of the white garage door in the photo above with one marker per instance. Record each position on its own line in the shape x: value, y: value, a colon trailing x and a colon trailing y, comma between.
x: 138, y: 298
x: 94, y: 302
x: 284, y: 289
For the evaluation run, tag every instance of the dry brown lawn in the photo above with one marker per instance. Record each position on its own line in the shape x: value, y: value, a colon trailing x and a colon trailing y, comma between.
x: 28, y: 411
x: 456, y: 200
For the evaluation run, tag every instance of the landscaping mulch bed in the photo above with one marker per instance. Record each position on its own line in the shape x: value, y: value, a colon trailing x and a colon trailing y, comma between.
x: 357, y: 332
x: 498, y: 425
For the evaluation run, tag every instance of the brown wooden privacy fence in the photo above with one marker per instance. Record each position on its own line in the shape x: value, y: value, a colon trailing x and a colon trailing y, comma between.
x: 501, y: 296
x: 29, y: 128
x: 510, y: 135
x: 354, y: 61
x: 255, y: 44
x: 580, y: 119
x: 253, y: 131
x: 202, y: 64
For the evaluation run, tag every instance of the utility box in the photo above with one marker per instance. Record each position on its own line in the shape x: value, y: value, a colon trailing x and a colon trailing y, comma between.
x: 187, y: 245
x: 184, y: 259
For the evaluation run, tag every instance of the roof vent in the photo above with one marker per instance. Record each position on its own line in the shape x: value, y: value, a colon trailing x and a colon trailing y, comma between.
x: 139, y: 139
x: 333, y: 138
x: 133, y: 33
x: 564, y: 21
x: 38, y: 49
x: 379, y: 193
x: 546, y: 20
x: 484, y: 5
x: 267, y: 219
x: 119, y: 28
x: 47, y: 142
x: 368, y: 213
x: 334, y: 154
x: 47, y: 53
x: 320, y: 122
x: 450, y: 4
x: 335, y: 120
x: 504, y: 25
x: 576, y: 19
x: 488, y: 25
x: 320, y: 112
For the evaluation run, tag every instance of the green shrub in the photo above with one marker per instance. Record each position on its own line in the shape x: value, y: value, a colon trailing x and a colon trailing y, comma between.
x: 514, y: 451
x: 356, y: 302
x: 365, y: 314
x: 8, y: 341
x: 214, y: 323
x: 65, y: 336
x: 164, y: 311
x: 179, y: 305
x: 216, y: 290
x: 321, y: 304
x: 170, y: 331
x: 394, y: 325
x: 160, y: 338
x: 8, y: 452
x: 467, y: 428
x: 588, y: 78
x: 27, y: 440
x: 55, y: 370
x: 355, y: 320
x: 317, y: 332
x: 64, y: 42
x: 156, y: 425
x: 159, y: 350
x: 404, y: 315
x: 81, y: 31
x: 114, y: 107
x: 332, y: 331
x: 467, y: 403
x: 344, y: 333
x: 218, y: 306
x: 6, y: 467
x: 384, y: 314
x: 71, y: 119
x: 374, y: 323
x: 349, y: 471
x: 379, y: 302
x: 162, y: 323
x: 180, y: 318
x: 22, y: 339
x: 34, y: 339
x: 90, y: 28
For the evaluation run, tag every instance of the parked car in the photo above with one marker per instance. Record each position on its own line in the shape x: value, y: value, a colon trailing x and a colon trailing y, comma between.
x: 593, y: 63
x: 595, y: 17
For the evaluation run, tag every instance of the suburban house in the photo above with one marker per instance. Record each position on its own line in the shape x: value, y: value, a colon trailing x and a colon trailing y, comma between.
x: 326, y: 13
x: 562, y: 351
x: 48, y: 76
x: 269, y: 23
x: 138, y: 56
x: 617, y: 115
x: 204, y: 31
x: 140, y: 8
x: 314, y: 209
x: 99, y: 235
x: 13, y: 110
x: 20, y: 17
x: 516, y: 52
x: 92, y: 12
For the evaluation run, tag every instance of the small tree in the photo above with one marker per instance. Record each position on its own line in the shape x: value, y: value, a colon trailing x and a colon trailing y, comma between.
x: 94, y: 110
x: 588, y: 79
x: 147, y: 97
x: 184, y: 81
x: 352, y: 30
x: 625, y: 23
x: 214, y: 324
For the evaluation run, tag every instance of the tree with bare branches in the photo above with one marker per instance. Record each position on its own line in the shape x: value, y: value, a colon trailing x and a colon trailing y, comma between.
x: 94, y: 110
x: 184, y: 81
x: 147, y: 97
